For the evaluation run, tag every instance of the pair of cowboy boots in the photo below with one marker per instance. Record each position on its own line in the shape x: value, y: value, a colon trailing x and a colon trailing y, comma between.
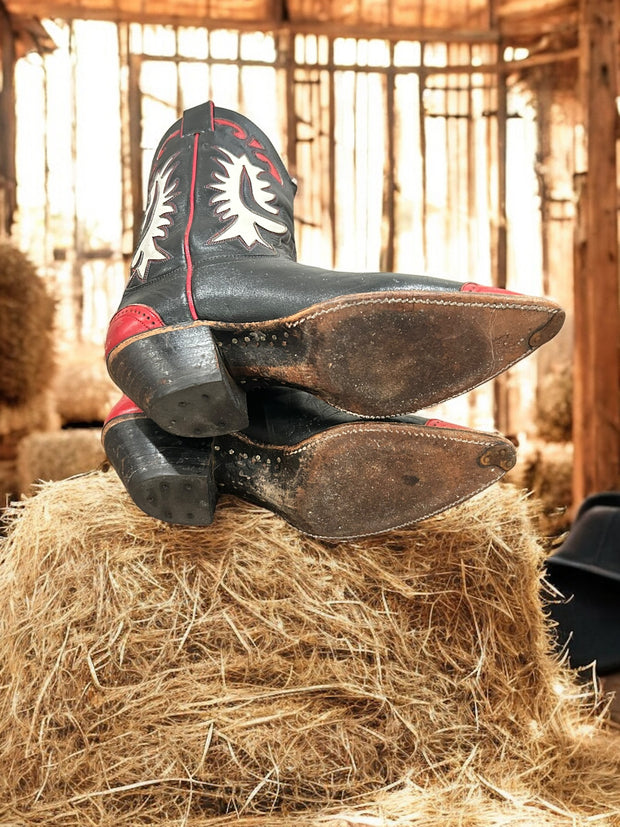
x: 292, y: 386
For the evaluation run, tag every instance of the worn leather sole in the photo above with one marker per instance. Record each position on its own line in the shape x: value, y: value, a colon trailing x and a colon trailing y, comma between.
x: 349, y: 481
x: 363, y: 479
x: 375, y: 354
x: 391, y: 353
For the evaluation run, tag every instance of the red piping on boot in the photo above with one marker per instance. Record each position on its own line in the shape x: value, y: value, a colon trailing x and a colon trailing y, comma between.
x: 262, y: 157
x: 238, y: 131
x: 188, y: 255
x: 169, y: 138
x: 440, y: 423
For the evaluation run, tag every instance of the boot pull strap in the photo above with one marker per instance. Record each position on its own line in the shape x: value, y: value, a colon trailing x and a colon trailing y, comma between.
x: 198, y: 119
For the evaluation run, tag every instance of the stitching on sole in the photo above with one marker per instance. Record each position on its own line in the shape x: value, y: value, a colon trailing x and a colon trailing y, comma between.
x: 416, y: 300
x: 342, y: 430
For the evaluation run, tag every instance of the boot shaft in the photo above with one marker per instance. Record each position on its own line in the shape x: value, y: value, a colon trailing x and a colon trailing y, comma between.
x: 217, y: 190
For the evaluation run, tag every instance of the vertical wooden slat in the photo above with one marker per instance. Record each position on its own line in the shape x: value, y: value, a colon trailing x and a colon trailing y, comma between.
x: 135, y: 142
x: 544, y: 99
x: 332, y: 151
x: 287, y: 44
x: 581, y: 441
x: 451, y: 150
x: 389, y: 187
x: 240, y: 84
x: 125, y: 142
x: 77, y: 281
x: 471, y: 172
x: 7, y: 124
x: 502, y: 118
x: 596, y: 433
x: 422, y: 128
x: 500, y: 387
x: 46, y: 163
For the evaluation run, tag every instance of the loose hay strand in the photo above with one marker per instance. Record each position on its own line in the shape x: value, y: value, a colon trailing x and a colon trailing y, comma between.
x: 247, y: 674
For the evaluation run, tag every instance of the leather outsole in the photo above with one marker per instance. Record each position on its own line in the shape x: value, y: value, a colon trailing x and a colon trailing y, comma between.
x: 357, y: 480
x: 387, y: 354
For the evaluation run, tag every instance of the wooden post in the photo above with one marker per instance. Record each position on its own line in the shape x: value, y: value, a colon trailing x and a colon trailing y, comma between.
x: 596, y: 429
x: 501, y: 393
x: 7, y: 123
x: 135, y: 144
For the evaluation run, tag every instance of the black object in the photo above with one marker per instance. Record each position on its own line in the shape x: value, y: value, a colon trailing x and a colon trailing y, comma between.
x: 586, y: 570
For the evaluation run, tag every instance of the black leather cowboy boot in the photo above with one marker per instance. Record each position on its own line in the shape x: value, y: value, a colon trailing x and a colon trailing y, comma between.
x: 328, y: 473
x: 217, y: 300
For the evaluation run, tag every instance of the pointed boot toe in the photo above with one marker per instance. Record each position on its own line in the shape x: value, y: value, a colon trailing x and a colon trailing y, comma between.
x: 549, y: 328
x: 217, y: 303
x: 168, y: 478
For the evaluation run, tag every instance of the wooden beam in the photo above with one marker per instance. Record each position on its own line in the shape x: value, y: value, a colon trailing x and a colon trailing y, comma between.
x: 596, y: 429
x: 257, y: 15
x: 540, y: 59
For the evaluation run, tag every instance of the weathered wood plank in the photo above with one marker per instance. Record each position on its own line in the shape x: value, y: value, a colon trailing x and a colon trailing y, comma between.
x: 596, y: 429
x: 7, y: 125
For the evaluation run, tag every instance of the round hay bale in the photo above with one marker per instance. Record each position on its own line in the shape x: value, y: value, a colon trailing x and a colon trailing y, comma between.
x: 57, y: 455
x: 82, y: 387
x: 16, y: 422
x: 26, y: 334
x: 244, y: 673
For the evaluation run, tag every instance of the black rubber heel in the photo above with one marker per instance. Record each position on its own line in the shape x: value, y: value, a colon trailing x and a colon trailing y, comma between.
x: 179, y: 379
x: 167, y: 477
